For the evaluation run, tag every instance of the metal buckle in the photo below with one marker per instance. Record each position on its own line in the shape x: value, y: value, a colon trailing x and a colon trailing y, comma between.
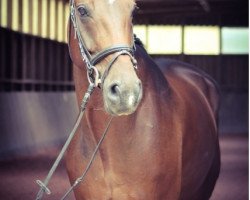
x: 93, y: 78
x: 43, y: 187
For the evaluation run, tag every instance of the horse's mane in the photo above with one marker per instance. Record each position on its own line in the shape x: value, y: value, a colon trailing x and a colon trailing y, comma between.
x: 138, y: 41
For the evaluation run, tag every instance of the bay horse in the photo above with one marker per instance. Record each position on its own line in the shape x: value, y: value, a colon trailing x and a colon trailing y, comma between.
x: 163, y: 140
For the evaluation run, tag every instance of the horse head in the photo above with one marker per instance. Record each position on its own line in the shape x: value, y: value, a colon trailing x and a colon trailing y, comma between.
x: 104, y: 29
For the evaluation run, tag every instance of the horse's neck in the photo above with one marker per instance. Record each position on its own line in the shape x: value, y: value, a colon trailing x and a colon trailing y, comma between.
x: 96, y: 115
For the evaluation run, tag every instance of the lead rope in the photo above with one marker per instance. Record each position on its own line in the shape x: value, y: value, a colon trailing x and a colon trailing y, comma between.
x: 43, y: 185
x: 90, y: 69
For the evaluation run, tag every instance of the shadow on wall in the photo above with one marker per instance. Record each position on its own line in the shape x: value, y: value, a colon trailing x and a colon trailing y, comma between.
x: 31, y: 122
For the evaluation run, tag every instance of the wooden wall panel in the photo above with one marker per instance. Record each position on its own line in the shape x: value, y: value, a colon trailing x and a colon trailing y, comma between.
x: 234, y: 72
x: 29, y: 63
x: 34, y: 55
x: 43, y: 18
x: 33, y: 63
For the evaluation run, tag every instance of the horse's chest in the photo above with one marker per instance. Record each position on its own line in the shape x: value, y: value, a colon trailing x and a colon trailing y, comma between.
x: 136, y: 175
x: 116, y: 187
x: 133, y: 165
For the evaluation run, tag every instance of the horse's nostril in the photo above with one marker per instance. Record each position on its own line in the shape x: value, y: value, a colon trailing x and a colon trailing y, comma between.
x: 114, y: 89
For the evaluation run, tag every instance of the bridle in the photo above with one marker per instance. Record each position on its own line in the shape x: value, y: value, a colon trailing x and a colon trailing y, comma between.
x: 89, y: 60
x: 94, y: 81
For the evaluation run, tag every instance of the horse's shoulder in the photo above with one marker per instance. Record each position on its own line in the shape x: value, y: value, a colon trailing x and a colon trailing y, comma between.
x: 189, y: 74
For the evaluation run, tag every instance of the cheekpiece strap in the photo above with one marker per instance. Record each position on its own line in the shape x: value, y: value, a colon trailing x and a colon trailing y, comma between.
x: 91, y: 61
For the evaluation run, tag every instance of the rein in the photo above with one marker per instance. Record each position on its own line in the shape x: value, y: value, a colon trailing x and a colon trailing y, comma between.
x: 43, y: 185
x: 94, y: 81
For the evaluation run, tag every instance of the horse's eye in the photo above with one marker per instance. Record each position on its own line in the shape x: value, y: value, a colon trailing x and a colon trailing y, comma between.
x: 83, y: 11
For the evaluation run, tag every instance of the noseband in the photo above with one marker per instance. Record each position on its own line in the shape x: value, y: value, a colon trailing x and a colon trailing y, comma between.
x: 90, y: 61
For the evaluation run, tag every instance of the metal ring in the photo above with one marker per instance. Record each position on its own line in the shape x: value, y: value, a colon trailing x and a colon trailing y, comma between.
x: 96, y: 80
x: 43, y: 186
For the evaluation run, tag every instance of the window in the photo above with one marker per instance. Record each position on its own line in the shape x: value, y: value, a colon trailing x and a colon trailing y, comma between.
x: 164, y: 39
x: 141, y: 32
x: 43, y: 18
x: 234, y: 40
x: 202, y: 40
x: 3, y: 13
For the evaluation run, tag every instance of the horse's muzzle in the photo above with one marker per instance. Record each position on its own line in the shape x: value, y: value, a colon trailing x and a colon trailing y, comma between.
x: 121, y: 98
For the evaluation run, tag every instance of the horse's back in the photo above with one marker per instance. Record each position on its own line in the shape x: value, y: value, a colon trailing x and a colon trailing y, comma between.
x: 193, y: 76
